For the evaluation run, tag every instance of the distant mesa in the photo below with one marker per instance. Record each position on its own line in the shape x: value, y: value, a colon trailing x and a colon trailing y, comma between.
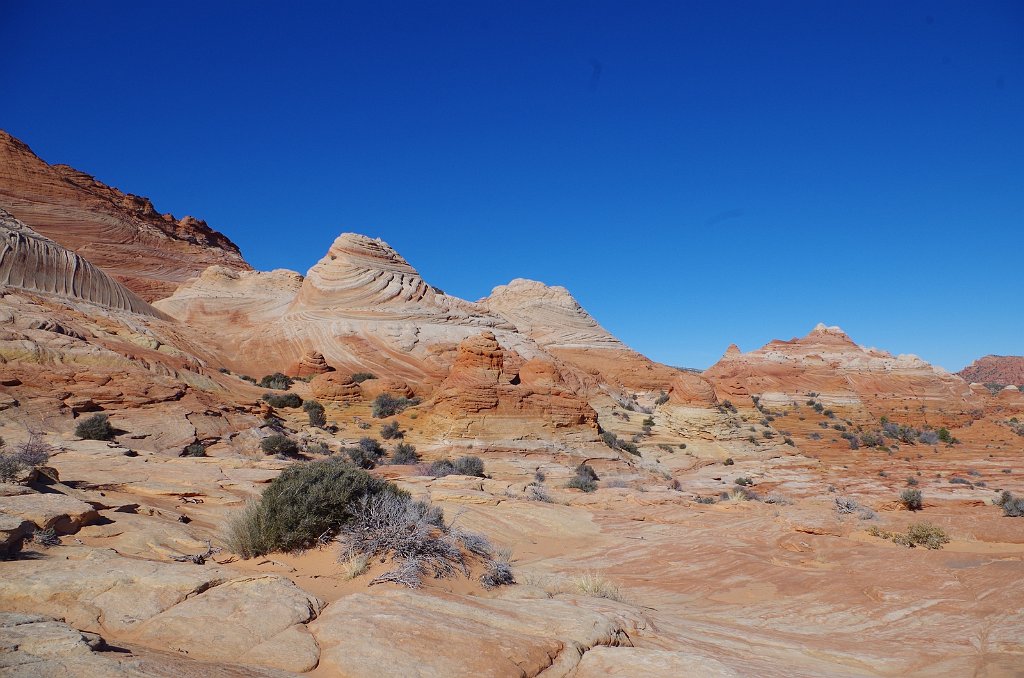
x: 995, y: 369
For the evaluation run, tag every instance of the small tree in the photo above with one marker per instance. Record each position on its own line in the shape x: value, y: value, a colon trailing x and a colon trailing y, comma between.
x: 96, y: 427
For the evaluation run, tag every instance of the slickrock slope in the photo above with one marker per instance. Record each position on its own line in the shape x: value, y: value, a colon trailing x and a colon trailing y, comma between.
x: 362, y: 307
x: 829, y: 363
x: 995, y: 369
x: 151, y: 253
x: 33, y: 263
x: 556, y: 321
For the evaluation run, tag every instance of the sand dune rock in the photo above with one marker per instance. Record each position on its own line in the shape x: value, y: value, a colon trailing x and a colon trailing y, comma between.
x: 995, y: 369
x: 829, y: 363
x: 123, y: 234
x: 371, y: 388
x: 31, y: 262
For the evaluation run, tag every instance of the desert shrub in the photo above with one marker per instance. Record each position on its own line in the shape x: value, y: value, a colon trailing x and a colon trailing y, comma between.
x: 35, y: 451
x: 360, y: 377
x: 918, y: 534
x: 441, y: 468
x: 405, y: 453
x: 469, y: 466
x: 744, y: 481
x: 96, y: 427
x: 246, y: 377
x: 414, y: 536
x: 386, y: 405
x: 649, y: 421
x: 194, y: 450
x: 581, y: 483
x: 818, y: 407
x: 912, y: 481
x: 596, y: 586
x: 776, y: 498
x: 367, y: 453
x: 279, y: 444
x: 1013, y: 507
x: 611, y: 440
x: 911, y: 499
x: 619, y: 483
x: 276, y: 381
x: 305, y: 505
x: 497, y: 572
x: 928, y: 437
x: 283, y: 400
x: 847, y: 506
x: 728, y: 461
x: 11, y: 467
x: 630, y: 447
x: 665, y: 447
x: 944, y: 435
x: 391, y: 430
x: 682, y: 446
x: 317, y: 414
x: 536, y: 491
x: 661, y: 399
x: 706, y: 500
x: 789, y: 441
x: 317, y: 447
x: 960, y: 481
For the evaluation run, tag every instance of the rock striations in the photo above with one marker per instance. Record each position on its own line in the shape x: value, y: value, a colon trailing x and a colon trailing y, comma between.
x: 995, y: 369
x: 151, y: 253
x: 829, y: 363
x: 33, y: 263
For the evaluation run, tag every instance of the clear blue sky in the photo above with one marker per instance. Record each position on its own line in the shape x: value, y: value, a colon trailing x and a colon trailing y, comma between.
x: 695, y: 173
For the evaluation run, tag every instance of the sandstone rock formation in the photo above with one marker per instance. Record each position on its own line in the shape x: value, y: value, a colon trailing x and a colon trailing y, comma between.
x: 488, y: 390
x: 33, y: 263
x: 123, y: 234
x: 829, y: 363
x: 995, y: 369
x: 310, y: 364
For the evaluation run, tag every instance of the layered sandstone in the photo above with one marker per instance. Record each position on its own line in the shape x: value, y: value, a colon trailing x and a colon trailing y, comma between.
x: 493, y: 390
x: 843, y: 374
x: 123, y: 234
x: 995, y: 369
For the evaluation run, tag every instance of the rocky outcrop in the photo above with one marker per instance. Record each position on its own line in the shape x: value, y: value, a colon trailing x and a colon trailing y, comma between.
x: 843, y: 374
x: 489, y: 389
x: 33, y: 263
x: 995, y: 369
x: 310, y: 364
x: 151, y: 253
x: 335, y: 387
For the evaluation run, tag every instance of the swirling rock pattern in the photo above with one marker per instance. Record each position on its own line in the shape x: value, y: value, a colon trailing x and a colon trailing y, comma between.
x: 31, y: 262
x: 151, y: 253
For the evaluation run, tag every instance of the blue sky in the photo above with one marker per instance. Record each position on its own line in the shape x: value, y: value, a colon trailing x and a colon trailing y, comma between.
x: 696, y: 173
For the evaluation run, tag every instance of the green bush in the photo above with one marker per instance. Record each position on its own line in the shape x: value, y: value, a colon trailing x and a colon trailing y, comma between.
x: 469, y: 466
x: 387, y: 405
x: 277, y: 381
x: 911, y: 499
x: 285, y: 400
x: 11, y: 467
x: 404, y: 453
x: 96, y: 427
x: 360, y: 377
x: 744, y: 481
x: 918, y: 534
x: 194, y: 450
x: 279, y: 444
x: 582, y: 483
x: 317, y: 416
x: 304, y: 505
x: 391, y: 430
x: 728, y: 461
x: 367, y: 453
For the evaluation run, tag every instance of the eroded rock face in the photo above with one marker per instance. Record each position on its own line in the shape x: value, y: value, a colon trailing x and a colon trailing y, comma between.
x: 310, y: 364
x: 488, y: 387
x: 34, y: 263
x: 122, y: 234
x: 995, y: 369
x: 844, y: 374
